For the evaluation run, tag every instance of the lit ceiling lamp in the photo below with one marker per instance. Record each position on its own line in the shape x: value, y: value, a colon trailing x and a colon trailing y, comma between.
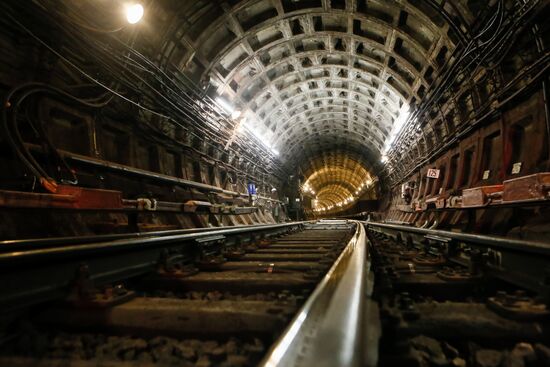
x: 134, y: 13
x: 248, y: 124
x: 236, y: 114
x: 244, y: 123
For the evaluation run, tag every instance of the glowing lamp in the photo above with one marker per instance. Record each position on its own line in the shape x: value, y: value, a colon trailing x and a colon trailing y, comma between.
x: 134, y: 13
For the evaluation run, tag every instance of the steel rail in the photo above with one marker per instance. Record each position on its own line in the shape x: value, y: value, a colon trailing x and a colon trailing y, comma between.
x: 35, y: 243
x: 495, y: 242
x: 328, y: 329
x: 519, y: 262
x: 37, y: 275
x: 132, y: 243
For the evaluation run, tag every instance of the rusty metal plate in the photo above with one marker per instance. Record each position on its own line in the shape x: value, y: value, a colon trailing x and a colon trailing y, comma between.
x: 479, y: 196
x: 527, y: 188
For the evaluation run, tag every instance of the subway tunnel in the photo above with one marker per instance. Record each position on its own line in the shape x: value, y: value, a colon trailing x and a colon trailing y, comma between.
x: 422, y: 123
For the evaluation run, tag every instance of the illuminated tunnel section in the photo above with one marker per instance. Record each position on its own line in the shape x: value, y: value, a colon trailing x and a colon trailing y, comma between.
x: 336, y: 181
x: 315, y: 79
x: 300, y: 70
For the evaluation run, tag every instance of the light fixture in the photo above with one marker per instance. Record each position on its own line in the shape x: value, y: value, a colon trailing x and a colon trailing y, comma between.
x: 235, y: 114
x: 134, y: 13
x: 245, y: 124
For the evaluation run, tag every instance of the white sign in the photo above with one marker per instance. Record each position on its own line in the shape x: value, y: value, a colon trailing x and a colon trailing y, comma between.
x: 433, y: 173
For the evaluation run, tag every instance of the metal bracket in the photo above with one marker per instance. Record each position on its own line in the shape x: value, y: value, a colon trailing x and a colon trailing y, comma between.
x: 85, y: 294
x: 210, y: 252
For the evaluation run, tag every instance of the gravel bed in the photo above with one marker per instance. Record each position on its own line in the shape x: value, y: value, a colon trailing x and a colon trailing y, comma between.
x: 160, y: 350
x: 284, y: 296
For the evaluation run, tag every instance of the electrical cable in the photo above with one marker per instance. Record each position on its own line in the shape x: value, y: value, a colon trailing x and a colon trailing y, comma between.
x: 509, y: 31
x: 127, y: 60
x: 11, y: 106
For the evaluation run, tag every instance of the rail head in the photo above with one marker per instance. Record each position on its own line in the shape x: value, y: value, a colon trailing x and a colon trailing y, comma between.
x: 154, y: 240
x: 497, y: 242
x: 328, y: 329
x: 519, y: 262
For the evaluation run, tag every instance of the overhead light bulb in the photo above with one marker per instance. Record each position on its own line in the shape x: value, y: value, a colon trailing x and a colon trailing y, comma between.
x: 134, y: 13
x: 235, y: 114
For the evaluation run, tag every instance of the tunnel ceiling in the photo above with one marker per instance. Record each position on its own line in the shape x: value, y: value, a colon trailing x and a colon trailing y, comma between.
x: 316, y: 76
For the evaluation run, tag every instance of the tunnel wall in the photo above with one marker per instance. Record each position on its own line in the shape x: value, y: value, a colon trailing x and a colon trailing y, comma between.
x: 114, y: 168
x: 488, y: 137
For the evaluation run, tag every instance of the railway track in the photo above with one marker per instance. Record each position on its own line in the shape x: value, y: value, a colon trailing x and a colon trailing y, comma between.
x: 454, y: 299
x: 255, y: 295
x: 327, y: 293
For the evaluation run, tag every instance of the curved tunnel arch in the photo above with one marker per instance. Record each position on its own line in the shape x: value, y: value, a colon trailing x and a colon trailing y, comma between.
x: 337, y: 117
x: 377, y: 69
x: 335, y: 194
x: 290, y: 17
x: 317, y: 81
x: 335, y: 179
x: 309, y: 88
x: 358, y: 82
x: 309, y: 99
x: 330, y: 138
